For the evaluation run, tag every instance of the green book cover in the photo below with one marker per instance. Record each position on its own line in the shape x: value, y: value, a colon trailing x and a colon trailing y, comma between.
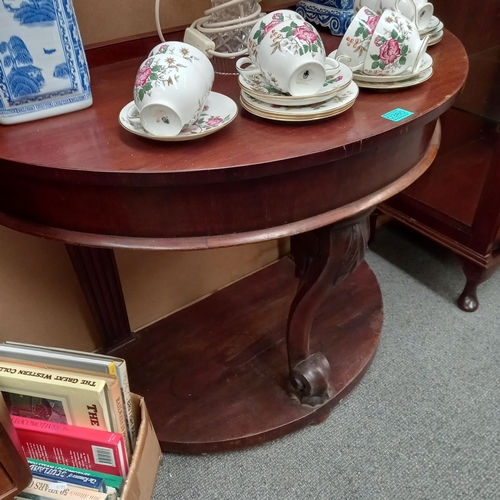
x: 116, y: 482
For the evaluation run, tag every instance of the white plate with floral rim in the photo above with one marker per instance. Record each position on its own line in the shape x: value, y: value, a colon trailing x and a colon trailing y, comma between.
x: 218, y: 112
x: 439, y: 27
x: 339, y: 102
x: 410, y: 82
x: 287, y: 118
x: 256, y: 86
x: 435, y: 38
x: 431, y: 25
x: 425, y: 65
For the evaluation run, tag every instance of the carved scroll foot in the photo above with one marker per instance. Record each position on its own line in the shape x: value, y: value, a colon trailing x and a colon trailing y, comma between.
x: 311, y: 380
x: 323, y: 258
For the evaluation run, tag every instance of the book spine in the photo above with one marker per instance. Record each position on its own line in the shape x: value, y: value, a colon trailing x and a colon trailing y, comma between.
x: 79, y: 360
x: 54, y: 474
x: 117, y: 482
x: 85, y: 448
x: 54, y: 490
x: 30, y: 496
x: 121, y: 371
x: 116, y: 406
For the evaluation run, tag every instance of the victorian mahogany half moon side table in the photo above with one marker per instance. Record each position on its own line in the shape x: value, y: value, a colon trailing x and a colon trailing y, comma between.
x: 275, y: 351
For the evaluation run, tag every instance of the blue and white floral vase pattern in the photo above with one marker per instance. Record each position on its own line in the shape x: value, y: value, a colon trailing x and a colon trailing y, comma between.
x: 43, y: 69
x: 333, y: 14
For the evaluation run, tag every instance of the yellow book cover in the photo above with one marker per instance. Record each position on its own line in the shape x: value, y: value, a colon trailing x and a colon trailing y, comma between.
x: 55, y: 395
x: 112, y: 394
x: 78, y: 360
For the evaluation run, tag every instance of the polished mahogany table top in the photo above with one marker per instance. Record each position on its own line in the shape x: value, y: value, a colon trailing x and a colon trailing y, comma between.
x: 81, y: 178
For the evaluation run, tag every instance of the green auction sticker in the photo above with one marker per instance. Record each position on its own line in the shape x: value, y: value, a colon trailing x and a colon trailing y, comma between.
x: 398, y: 114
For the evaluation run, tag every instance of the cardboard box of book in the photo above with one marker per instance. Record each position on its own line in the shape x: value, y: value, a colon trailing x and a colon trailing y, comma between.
x: 147, y: 456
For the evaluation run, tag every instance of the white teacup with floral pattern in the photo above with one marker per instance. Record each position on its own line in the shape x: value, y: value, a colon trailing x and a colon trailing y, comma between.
x: 169, y: 94
x: 188, y: 53
x: 423, y: 13
x: 289, y: 53
x: 356, y: 40
x: 395, y: 47
x: 374, y: 5
x: 418, y: 11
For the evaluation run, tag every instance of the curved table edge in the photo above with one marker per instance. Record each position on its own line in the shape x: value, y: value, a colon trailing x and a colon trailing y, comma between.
x: 220, y: 241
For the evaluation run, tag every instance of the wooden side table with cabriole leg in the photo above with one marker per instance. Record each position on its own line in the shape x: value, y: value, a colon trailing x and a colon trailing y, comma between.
x: 277, y: 350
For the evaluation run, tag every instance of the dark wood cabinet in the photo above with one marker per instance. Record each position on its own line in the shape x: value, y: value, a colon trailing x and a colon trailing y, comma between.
x: 457, y: 201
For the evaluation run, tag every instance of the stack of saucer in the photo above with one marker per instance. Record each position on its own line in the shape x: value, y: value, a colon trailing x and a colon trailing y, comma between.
x: 435, y: 31
x: 396, y: 81
x: 336, y: 96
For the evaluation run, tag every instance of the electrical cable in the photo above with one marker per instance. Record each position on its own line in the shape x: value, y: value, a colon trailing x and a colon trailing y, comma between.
x: 203, y: 24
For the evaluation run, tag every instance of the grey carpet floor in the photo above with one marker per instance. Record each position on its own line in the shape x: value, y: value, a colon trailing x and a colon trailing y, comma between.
x: 424, y: 422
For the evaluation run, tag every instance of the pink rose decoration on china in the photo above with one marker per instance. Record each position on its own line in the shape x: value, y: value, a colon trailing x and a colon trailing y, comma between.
x: 378, y: 41
x: 372, y: 22
x: 142, y: 76
x: 214, y: 121
x: 306, y: 34
x: 277, y: 19
x: 390, y: 51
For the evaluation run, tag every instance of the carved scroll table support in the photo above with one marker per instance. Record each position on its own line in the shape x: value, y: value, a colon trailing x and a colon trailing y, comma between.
x: 323, y: 258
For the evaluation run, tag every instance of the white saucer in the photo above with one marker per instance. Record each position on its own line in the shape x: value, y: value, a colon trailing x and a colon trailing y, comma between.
x: 410, y: 82
x: 425, y: 65
x: 431, y: 25
x: 337, y: 104
x: 256, y: 86
x: 435, y: 38
x: 218, y: 112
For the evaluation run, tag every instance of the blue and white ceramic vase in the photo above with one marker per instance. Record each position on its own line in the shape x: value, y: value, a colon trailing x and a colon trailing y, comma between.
x: 43, y: 69
x: 333, y: 14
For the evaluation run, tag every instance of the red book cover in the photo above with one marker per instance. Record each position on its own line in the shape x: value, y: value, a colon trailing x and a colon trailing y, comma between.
x: 72, y: 445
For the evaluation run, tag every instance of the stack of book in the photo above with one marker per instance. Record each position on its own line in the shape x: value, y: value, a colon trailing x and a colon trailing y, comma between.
x: 74, y: 418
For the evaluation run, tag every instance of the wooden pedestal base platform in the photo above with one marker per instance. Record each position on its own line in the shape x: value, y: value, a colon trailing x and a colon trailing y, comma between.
x: 215, y: 375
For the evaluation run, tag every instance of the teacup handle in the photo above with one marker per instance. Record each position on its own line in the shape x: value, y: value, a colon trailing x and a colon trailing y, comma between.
x: 415, y: 11
x: 356, y: 67
x: 250, y: 70
x: 418, y: 60
x: 133, y: 113
x: 332, y: 66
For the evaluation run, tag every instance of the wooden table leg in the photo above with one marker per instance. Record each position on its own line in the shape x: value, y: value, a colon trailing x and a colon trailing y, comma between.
x: 216, y: 375
x: 323, y: 258
x: 98, y: 275
x: 475, y: 275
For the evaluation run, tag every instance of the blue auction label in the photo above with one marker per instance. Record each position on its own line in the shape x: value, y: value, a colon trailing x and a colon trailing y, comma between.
x: 396, y: 115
